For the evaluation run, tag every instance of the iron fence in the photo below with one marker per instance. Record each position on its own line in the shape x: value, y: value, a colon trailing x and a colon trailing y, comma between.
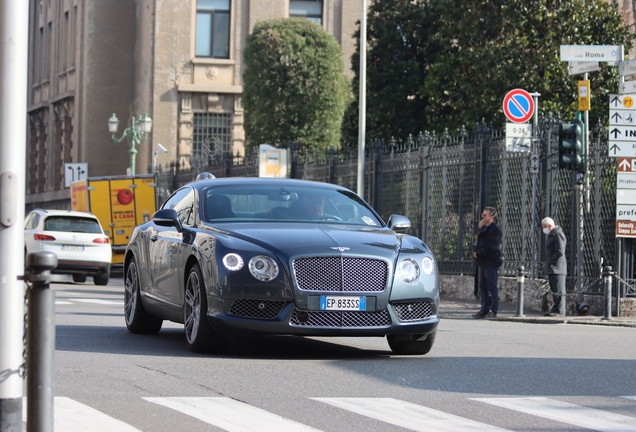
x: 442, y: 182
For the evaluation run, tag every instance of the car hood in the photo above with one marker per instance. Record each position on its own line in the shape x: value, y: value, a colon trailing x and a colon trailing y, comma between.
x: 299, y: 239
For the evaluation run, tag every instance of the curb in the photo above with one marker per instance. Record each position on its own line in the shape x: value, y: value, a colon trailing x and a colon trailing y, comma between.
x: 612, y: 322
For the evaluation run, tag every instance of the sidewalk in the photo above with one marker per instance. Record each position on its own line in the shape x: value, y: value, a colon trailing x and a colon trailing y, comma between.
x: 452, y: 308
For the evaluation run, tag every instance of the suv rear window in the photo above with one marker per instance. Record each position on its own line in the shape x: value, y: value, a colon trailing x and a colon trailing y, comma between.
x: 72, y: 224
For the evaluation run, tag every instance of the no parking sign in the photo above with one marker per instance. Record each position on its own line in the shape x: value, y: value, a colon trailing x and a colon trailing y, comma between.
x: 518, y: 106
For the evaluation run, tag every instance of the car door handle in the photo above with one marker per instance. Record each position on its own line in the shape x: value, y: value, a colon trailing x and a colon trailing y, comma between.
x: 154, y: 238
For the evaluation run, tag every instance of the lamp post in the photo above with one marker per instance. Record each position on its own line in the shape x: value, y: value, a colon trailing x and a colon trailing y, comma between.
x: 135, y: 134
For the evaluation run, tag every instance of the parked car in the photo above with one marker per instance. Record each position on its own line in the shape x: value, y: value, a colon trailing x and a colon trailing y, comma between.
x: 76, y: 238
x: 279, y: 256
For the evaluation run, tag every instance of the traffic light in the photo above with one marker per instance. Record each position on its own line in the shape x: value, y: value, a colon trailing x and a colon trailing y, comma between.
x: 569, y: 140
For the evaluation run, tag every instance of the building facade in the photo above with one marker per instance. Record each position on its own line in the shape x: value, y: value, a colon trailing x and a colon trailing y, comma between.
x: 179, y: 61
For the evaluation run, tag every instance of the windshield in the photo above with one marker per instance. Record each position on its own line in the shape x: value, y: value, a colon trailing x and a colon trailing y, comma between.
x: 284, y: 204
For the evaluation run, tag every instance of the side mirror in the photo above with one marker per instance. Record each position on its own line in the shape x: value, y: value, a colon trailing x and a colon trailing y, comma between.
x: 399, y: 223
x: 167, y: 218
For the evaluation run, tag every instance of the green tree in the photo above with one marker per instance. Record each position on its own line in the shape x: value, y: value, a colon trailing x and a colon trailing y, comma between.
x: 481, y: 49
x: 294, y: 87
x: 399, y: 54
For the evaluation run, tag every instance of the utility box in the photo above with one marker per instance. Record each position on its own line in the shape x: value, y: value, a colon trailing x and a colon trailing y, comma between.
x: 120, y: 203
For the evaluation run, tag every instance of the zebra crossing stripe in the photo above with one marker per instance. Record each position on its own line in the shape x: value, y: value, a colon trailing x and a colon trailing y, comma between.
x: 99, y: 301
x: 408, y: 415
x: 230, y: 414
x: 72, y: 416
x: 588, y: 418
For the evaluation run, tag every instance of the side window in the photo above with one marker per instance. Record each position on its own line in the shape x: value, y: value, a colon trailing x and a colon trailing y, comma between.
x: 310, y: 9
x: 212, y: 37
x: 182, y: 201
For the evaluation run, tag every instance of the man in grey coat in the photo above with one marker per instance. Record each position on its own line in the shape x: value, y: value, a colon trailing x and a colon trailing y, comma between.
x: 556, y: 266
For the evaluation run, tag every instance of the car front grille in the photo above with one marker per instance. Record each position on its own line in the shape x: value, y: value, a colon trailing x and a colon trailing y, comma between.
x: 340, y: 319
x: 407, y: 312
x: 343, y: 274
x: 256, y: 309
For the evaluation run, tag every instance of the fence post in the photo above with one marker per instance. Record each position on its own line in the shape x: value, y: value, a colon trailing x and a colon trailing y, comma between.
x: 520, y: 283
x: 607, y: 282
x: 40, y: 342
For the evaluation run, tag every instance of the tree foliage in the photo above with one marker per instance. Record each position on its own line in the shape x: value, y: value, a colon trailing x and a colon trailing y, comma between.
x: 448, y: 63
x: 294, y: 88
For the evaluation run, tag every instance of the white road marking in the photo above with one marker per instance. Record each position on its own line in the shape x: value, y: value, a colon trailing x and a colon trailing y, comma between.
x: 72, y: 416
x: 629, y: 397
x: 99, y: 301
x: 588, y: 418
x: 408, y: 415
x: 59, y: 302
x: 230, y: 415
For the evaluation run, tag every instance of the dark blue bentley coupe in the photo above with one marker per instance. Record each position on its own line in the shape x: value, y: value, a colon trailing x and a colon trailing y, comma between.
x: 276, y: 256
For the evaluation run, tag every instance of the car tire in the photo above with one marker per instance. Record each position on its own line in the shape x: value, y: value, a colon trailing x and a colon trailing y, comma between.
x: 79, y: 278
x: 409, y: 345
x: 200, y: 335
x: 137, y: 319
x: 101, y: 279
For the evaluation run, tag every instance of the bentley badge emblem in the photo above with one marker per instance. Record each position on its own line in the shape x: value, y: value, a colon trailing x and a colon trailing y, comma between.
x: 340, y: 248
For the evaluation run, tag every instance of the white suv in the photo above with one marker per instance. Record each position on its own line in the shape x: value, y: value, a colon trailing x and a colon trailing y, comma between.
x: 76, y: 238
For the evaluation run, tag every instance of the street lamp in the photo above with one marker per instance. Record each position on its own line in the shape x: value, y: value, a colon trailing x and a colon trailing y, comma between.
x: 135, y: 134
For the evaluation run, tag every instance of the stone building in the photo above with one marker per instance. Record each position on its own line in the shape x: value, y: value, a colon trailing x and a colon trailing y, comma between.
x: 180, y: 61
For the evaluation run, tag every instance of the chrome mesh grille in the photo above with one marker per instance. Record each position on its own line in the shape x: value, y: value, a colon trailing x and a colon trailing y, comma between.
x: 413, y: 311
x: 345, y: 274
x: 256, y: 309
x: 342, y: 319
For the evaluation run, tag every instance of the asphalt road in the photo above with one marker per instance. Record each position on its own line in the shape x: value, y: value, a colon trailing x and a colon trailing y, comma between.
x: 480, y: 375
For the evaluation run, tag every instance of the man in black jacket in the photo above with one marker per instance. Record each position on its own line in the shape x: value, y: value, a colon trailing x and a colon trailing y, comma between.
x: 488, y: 257
x: 556, y: 266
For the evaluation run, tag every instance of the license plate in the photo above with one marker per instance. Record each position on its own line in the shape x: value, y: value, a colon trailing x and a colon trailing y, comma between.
x: 343, y: 303
x: 72, y: 248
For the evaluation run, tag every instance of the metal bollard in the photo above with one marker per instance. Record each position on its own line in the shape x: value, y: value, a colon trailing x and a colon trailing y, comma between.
x: 607, y: 282
x: 40, y: 342
x: 520, y: 282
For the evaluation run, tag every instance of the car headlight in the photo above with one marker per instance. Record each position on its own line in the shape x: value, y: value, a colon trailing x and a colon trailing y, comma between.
x: 263, y: 268
x: 233, y: 261
x: 408, y: 270
x: 428, y: 265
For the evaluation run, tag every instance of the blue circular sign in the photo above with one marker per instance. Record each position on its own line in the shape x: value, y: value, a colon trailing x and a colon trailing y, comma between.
x: 518, y: 106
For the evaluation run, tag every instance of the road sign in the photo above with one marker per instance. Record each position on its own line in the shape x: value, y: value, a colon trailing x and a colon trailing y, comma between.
x: 584, y: 95
x: 518, y: 106
x: 518, y: 144
x: 534, y: 163
x: 627, y: 87
x: 622, y: 149
x: 622, y: 117
x: 623, y: 102
x: 626, y: 180
x: 576, y: 67
x: 520, y: 130
x: 626, y: 165
x: 627, y: 67
x: 74, y: 172
x: 625, y: 228
x: 587, y: 53
x: 622, y: 133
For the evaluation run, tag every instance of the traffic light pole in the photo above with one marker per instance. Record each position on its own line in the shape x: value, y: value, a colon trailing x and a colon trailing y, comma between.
x: 534, y: 154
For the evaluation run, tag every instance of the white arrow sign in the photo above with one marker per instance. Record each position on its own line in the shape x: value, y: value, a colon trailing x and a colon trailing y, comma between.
x: 588, y: 53
x: 622, y: 117
x: 622, y: 133
x: 628, y: 87
x: 575, y: 68
x: 622, y: 149
x: 623, y: 102
x: 627, y: 67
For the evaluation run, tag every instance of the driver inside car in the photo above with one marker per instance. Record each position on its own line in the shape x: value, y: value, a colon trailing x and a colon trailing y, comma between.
x: 310, y: 205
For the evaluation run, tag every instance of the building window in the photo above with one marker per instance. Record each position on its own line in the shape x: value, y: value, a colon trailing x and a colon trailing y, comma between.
x: 213, y: 29
x: 310, y: 9
x: 211, y: 138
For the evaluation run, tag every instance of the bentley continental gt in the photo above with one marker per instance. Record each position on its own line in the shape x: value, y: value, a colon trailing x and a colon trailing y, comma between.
x: 233, y: 256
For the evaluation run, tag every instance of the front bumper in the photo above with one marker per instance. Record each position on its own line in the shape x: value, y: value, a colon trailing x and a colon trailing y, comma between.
x: 293, y: 321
